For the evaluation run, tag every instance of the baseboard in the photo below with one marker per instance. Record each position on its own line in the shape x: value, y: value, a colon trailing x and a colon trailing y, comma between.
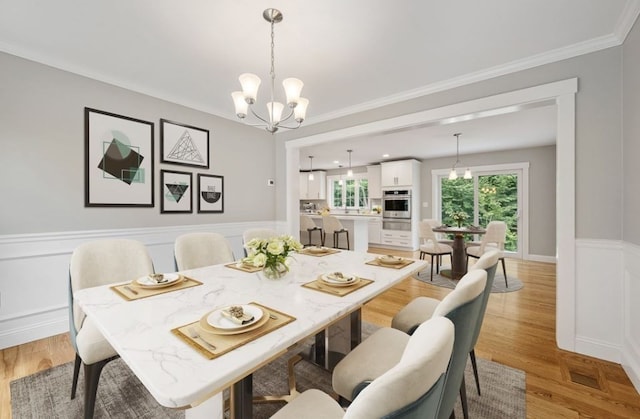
x: 631, y: 342
x: 631, y: 362
x: 541, y: 258
x: 598, y: 349
x: 40, y: 263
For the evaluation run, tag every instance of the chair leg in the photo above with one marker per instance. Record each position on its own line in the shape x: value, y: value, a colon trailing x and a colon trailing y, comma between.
x: 472, y: 354
x: 504, y: 271
x: 431, y: 268
x: 348, y: 248
x: 463, y: 399
x: 91, y: 379
x: 76, y: 373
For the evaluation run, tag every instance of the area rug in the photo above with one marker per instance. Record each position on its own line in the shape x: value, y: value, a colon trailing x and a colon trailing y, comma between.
x: 122, y: 396
x: 442, y: 281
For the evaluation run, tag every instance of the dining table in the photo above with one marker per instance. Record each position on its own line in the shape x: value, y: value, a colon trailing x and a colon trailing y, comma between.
x: 179, y: 375
x: 459, y: 256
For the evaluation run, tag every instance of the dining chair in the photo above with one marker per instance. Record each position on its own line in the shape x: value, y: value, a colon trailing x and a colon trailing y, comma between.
x: 332, y: 225
x: 307, y: 224
x: 380, y: 351
x: 494, y: 238
x: 195, y: 250
x: 412, y: 388
x: 442, y: 237
x: 430, y: 246
x: 92, y: 264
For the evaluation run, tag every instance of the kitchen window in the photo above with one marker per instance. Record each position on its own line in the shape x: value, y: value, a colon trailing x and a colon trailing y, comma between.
x: 350, y: 193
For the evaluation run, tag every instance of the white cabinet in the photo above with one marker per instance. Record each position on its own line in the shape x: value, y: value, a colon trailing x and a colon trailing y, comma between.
x: 313, y: 189
x: 375, y: 231
x: 397, y: 238
x: 400, y: 173
x: 375, y: 187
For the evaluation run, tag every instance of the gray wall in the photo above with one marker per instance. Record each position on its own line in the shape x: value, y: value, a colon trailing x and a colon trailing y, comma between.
x: 42, y: 158
x: 598, y: 130
x: 542, y: 189
x: 631, y: 129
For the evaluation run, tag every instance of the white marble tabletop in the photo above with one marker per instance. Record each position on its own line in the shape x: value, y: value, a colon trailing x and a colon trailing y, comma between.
x: 178, y: 376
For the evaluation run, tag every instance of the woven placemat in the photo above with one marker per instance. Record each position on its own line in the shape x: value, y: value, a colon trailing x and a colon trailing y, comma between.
x: 132, y: 292
x: 308, y: 252
x: 212, y: 345
x: 376, y: 262
x: 321, y: 286
x: 244, y: 267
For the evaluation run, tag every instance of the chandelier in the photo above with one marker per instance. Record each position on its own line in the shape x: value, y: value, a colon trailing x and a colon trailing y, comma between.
x: 454, y: 174
x: 250, y: 83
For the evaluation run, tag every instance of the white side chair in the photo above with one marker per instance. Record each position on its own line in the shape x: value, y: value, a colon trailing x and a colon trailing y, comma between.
x: 442, y: 237
x: 92, y: 264
x: 307, y: 224
x: 195, y: 250
x: 411, y: 388
x: 429, y: 245
x: 257, y: 233
x: 333, y: 226
x: 493, y: 239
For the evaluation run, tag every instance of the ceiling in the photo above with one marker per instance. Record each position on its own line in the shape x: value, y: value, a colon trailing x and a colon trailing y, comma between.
x: 352, y: 55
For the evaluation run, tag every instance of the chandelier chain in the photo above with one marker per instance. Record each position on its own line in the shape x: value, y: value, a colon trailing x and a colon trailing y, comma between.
x: 272, y: 73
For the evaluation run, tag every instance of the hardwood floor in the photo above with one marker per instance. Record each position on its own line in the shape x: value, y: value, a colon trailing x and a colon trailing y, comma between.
x: 518, y: 331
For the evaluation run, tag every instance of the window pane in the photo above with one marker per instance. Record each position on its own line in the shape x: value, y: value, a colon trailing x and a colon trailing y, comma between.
x: 498, y: 200
x: 363, y: 193
x: 457, y: 195
x: 351, y: 192
x: 337, y: 194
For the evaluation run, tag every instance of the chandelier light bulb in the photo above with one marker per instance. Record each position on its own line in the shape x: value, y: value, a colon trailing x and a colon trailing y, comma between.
x: 250, y: 84
x: 467, y: 174
x: 453, y: 175
x: 311, y: 168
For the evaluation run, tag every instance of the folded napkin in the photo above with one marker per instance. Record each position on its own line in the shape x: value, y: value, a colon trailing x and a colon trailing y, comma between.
x: 237, y: 315
x: 339, y: 276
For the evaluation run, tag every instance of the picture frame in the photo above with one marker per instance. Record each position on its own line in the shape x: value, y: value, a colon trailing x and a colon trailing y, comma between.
x: 119, y: 160
x: 176, y: 192
x: 210, y: 193
x: 182, y: 144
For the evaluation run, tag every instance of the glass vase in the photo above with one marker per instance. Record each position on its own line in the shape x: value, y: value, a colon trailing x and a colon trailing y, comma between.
x: 275, y: 271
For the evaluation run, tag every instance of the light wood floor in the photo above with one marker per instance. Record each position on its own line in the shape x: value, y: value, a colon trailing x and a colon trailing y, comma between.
x: 518, y: 331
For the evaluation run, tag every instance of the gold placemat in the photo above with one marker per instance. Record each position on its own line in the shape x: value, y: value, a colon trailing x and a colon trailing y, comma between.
x: 306, y: 251
x: 132, y: 292
x: 244, y: 267
x: 376, y: 262
x: 341, y: 291
x: 212, y: 345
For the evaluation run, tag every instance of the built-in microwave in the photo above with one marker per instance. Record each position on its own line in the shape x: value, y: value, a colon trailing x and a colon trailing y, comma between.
x: 396, y: 203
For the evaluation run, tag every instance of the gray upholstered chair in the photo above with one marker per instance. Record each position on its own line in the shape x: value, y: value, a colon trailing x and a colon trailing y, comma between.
x: 92, y: 264
x: 333, y: 226
x: 307, y: 224
x: 195, y: 250
x: 429, y: 245
x: 422, y: 308
x: 493, y: 239
x: 383, y: 349
x: 257, y: 233
x: 412, y: 388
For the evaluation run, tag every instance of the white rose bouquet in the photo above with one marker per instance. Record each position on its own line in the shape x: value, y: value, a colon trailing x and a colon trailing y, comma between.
x: 272, y: 254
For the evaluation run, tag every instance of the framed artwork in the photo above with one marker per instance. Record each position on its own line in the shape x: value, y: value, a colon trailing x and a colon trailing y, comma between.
x: 210, y: 193
x: 176, y: 192
x: 184, y: 144
x: 118, y: 160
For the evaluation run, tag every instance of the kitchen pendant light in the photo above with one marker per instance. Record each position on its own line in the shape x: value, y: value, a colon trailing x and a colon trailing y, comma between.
x: 311, y: 168
x: 340, y: 169
x: 453, y: 174
x: 349, y: 172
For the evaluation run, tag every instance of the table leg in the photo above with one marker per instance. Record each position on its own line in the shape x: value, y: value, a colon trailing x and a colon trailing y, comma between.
x: 458, y: 264
x: 242, y: 398
x: 356, y: 328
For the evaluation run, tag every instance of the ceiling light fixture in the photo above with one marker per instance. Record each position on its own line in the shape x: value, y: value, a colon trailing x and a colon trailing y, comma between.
x: 453, y: 174
x: 349, y: 172
x: 340, y: 169
x: 311, y: 168
x: 250, y: 84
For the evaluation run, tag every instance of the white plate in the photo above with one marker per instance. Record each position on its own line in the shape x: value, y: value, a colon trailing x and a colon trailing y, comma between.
x: 219, y: 321
x: 390, y: 260
x: 331, y: 279
x: 317, y: 249
x: 148, y: 282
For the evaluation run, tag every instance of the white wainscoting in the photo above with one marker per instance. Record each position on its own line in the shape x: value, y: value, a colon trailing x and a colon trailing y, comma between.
x: 631, y: 289
x: 598, y: 296
x: 35, y: 267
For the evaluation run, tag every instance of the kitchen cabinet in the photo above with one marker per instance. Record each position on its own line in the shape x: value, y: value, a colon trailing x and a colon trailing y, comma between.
x: 375, y: 231
x: 375, y: 187
x: 313, y: 189
x: 400, y: 173
x: 397, y: 238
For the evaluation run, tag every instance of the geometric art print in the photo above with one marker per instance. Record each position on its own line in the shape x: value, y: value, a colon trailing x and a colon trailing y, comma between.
x: 176, y: 190
x: 118, y: 160
x: 184, y: 144
x: 210, y: 193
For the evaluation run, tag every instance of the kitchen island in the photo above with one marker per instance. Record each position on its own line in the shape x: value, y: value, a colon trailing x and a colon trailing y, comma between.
x: 356, y: 224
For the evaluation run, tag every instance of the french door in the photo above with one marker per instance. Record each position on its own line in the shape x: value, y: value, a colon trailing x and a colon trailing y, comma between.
x: 493, y: 193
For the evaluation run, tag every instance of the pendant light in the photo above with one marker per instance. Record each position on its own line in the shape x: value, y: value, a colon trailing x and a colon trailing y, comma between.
x: 311, y: 168
x: 340, y: 180
x: 349, y: 172
x: 454, y: 174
